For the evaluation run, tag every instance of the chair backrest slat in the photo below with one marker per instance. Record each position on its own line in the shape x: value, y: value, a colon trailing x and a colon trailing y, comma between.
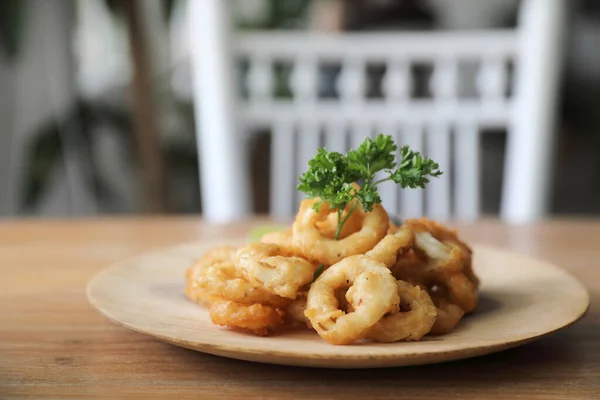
x: 411, y: 201
x: 389, y: 191
x: 467, y: 166
x: 260, y: 80
x: 307, y: 143
x: 438, y: 190
x: 335, y: 137
x: 282, y: 188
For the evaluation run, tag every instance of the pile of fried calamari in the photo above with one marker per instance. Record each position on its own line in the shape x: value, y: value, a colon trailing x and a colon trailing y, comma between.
x: 377, y: 282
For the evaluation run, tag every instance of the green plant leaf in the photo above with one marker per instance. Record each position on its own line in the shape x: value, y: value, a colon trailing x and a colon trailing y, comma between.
x: 116, y: 7
x: 44, y: 155
x: 318, y: 272
x: 168, y: 8
x: 12, y: 21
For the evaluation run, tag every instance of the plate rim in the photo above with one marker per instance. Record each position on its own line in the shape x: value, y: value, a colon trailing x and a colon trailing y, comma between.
x: 291, y: 358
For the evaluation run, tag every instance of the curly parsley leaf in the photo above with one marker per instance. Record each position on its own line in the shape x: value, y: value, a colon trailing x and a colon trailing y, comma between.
x: 328, y: 177
x: 373, y: 156
x: 414, y: 169
x: 331, y: 176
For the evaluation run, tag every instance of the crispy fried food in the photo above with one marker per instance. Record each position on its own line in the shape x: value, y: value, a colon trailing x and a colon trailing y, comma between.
x: 439, y: 259
x: 443, y: 257
x: 448, y: 260
x: 458, y: 288
x: 281, y: 238
x: 468, y: 269
x: 328, y: 225
x: 449, y: 315
x: 448, y: 237
x: 414, y: 319
x: 328, y: 251
x: 295, y: 312
x: 381, y: 282
x: 274, y: 268
x: 256, y: 318
x: 372, y: 293
x: 437, y: 230
x: 461, y: 291
x: 192, y: 289
x: 223, y: 280
x: 391, y: 246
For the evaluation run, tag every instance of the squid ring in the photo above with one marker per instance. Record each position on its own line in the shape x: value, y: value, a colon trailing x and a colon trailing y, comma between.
x: 256, y: 318
x: 388, y: 248
x: 372, y: 293
x: 295, y: 312
x: 216, y: 255
x: 328, y: 226
x: 461, y: 291
x: 326, y: 251
x: 448, y: 237
x: 280, y: 238
x: 447, y: 269
x: 274, y: 268
x: 449, y: 315
x: 414, y: 320
x: 224, y: 280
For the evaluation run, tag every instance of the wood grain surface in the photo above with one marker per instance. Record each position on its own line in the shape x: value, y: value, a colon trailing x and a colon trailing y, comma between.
x: 53, y: 344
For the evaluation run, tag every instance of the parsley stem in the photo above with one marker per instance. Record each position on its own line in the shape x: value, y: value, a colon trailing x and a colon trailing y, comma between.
x: 339, y: 225
x: 342, y: 222
x: 381, y: 180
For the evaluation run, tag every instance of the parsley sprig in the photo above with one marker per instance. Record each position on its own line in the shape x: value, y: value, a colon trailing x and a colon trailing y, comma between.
x: 331, y: 176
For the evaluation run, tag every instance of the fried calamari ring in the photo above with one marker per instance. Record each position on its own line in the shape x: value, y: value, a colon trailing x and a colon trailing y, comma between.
x: 224, y: 280
x: 274, y: 268
x: 282, y: 238
x: 193, y: 291
x: 328, y: 222
x: 448, y: 237
x: 256, y: 318
x: 216, y: 255
x: 449, y: 315
x: 461, y: 291
x: 409, y: 264
x: 391, y: 247
x: 295, y: 312
x: 439, y: 231
x: 444, y: 257
x: 437, y: 263
x: 372, y: 293
x: 448, y: 261
x: 468, y: 269
x: 328, y: 251
x: 328, y: 226
x: 457, y: 287
x: 412, y: 321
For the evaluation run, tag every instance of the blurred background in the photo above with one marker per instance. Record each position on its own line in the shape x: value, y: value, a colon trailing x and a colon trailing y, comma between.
x: 99, y: 113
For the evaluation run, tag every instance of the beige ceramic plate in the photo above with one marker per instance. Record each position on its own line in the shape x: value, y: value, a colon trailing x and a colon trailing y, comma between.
x: 521, y: 300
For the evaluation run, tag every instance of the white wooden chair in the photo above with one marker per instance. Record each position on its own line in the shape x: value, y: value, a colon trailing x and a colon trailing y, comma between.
x: 443, y: 125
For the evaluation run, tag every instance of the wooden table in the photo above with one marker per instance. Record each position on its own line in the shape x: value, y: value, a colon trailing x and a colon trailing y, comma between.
x: 53, y: 344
